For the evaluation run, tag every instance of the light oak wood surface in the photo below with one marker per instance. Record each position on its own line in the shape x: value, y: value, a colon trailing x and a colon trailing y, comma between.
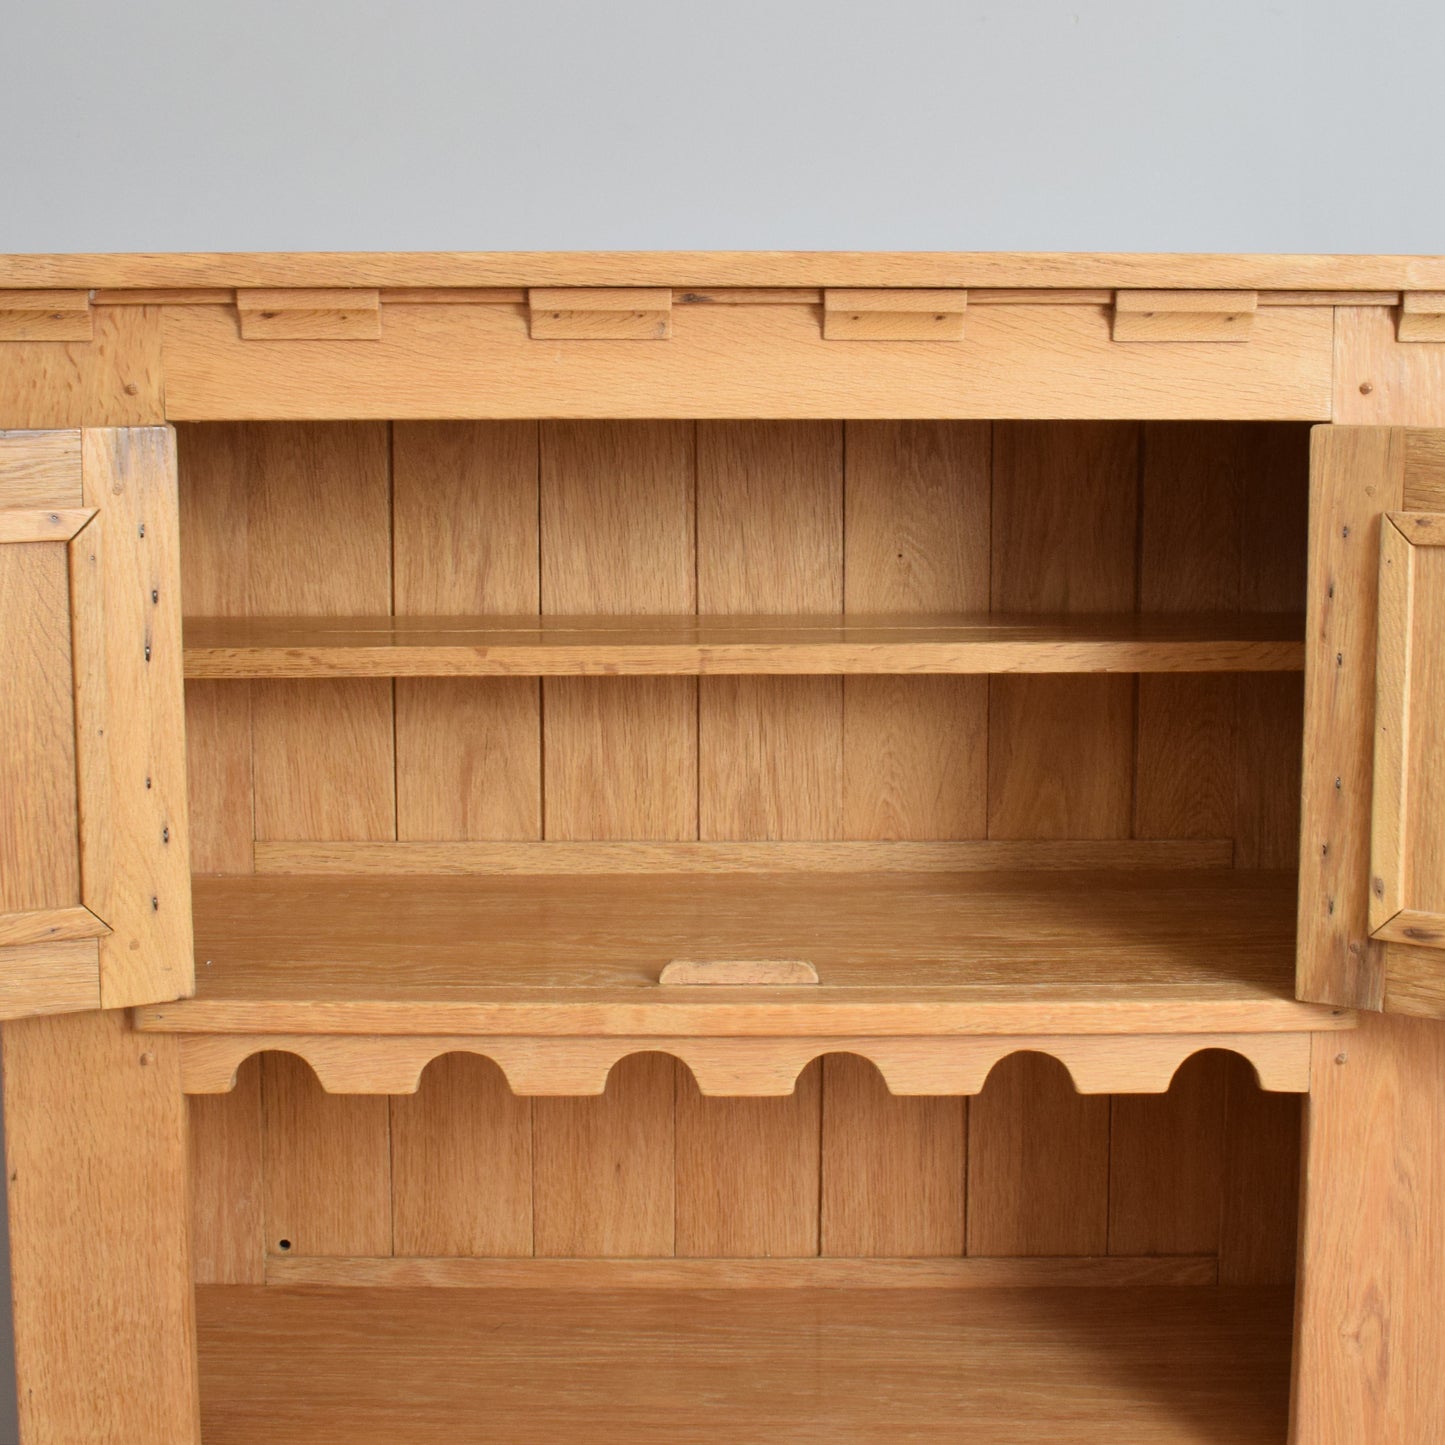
x: 1372, y: 1251
x: 750, y: 1365
x: 556, y: 646
x: 744, y: 362
x: 1357, y: 475
x: 843, y: 1272
x: 95, y: 1151
x: 130, y: 715
x: 40, y: 468
x: 1209, y: 950
x: 701, y: 269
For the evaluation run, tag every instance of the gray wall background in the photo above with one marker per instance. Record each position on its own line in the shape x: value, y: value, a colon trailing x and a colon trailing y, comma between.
x: 1141, y: 125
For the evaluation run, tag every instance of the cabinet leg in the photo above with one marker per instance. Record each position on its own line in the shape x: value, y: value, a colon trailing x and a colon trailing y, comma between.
x: 1370, y: 1330
x: 95, y: 1142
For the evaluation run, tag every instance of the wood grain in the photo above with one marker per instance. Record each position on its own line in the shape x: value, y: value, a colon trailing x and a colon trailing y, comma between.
x: 323, y: 760
x: 603, y: 1167
x: 1166, y: 1162
x: 228, y: 1221
x: 95, y: 1146
x: 747, y: 1171
x: 761, y: 1067
x: 1380, y: 382
x: 1407, y: 897
x: 319, y: 542
x: 1038, y: 1176
x: 213, y: 466
x: 461, y: 1163
x: 975, y: 855
x: 1425, y: 470
x: 618, y: 519
x: 705, y: 269
x: 1259, y: 1221
x: 770, y: 539
x: 1273, y: 581
x: 40, y: 468
x: 893, y: 1168
x: 805, y: 1366
x: 465, y: 503
x: 916, y: 538
x: 130, y: 716
x: 1373, y: 1252
x: 743, y: 362
x: 39, y: 827
x: 1047, y: 952
x: 327, y: 1165
x: 1356, y: 476
x: 589, y: 1275
x: 115, y: 379
x: 1065, y: 507
x: 47, y: 978
x: 913, y: 645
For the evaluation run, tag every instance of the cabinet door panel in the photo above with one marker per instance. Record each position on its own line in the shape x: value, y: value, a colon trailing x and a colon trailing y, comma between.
x: 94, y: 885
x: 1407, y: 840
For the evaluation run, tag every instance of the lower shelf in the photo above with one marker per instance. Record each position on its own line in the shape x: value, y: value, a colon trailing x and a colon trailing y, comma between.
x: 531, y: 1367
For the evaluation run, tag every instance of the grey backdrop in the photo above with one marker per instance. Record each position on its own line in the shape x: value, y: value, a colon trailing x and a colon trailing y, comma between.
x: 1142, y: 125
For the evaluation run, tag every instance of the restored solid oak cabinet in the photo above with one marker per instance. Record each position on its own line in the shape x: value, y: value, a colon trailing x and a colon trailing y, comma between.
x: 724, y: 847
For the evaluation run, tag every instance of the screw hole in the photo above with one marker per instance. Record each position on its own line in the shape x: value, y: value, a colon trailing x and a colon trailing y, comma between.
x: 284, y: 1244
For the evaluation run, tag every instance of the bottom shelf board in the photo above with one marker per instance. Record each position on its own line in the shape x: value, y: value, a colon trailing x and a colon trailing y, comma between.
x: 534, y: 1367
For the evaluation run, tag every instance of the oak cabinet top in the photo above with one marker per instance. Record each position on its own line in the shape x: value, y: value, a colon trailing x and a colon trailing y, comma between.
x: 725, y: 268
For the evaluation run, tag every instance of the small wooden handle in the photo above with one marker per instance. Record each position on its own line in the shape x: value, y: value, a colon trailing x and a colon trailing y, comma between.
x: 738, y: 972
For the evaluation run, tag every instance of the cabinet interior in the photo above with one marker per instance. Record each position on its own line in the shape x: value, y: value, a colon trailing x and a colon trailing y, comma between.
x: 490, y: 721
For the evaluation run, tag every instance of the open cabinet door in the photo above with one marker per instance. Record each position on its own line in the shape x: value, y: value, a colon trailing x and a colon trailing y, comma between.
x: 95, y: 907
x: 1372, y: 897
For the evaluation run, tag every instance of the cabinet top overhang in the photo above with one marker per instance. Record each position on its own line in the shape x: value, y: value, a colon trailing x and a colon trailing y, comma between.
x: 981, y: 269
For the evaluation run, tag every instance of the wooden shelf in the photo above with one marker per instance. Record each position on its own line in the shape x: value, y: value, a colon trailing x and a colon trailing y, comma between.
x: 299, y: 647
x: 933, y: 976
x: 1090, y: 1366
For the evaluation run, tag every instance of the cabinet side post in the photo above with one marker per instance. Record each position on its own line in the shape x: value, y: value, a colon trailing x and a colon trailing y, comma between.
x: 95, y: 1142
x: 1370, y: 1333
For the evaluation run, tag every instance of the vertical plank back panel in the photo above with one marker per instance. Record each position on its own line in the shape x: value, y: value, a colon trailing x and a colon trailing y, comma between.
x: 1166, y: 1154
x: 1065, y: 501
x: 228, y: 1223
x: 770, y: 766
x: 326, y: 1164
x: 1193, y: 479
x: 747, y: 1171
x: 915, y: 750
x: 468, y: 750
x: 1038, y: 1163
x: 1166, y: 1149
x: 461, y: 1160
x: 1259, y: 1218
x: 602, y: 1168
x: 893, y: 1167
x: 212, y: 464
x: 617, y: 536
x: 1061, y: 749
x: 319, y: 544
x: 1270, y: 719
x: 770, y: 540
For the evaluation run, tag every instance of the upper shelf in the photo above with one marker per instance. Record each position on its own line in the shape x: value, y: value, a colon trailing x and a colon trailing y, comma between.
x: 896, y: 953
x: 298, y: 647
x: 933, y: 978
